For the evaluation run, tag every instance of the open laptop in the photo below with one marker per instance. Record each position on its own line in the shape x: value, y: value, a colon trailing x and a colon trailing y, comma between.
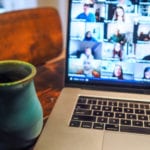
x: 105, y: 104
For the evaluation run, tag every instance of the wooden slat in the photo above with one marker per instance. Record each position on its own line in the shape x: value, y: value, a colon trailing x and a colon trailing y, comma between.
x: 32, y: 35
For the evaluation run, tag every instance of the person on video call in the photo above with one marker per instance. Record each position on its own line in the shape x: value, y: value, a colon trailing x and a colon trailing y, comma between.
x: 118, y: 72
x: 88, y: 37
x: 118, y: 37
x: 146, y: 73
x: 122, y: 20
x: 88, y: 69
x: 119, y: 14
x: 86, y: 14
x: 117, y: 51
x: 87, y: 54
x: 143, y: 36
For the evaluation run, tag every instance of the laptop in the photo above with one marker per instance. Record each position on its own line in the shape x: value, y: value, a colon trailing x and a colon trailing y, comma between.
x: 105, y: 103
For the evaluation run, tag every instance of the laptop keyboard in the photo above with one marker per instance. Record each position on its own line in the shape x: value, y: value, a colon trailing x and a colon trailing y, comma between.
x: 111, y: 114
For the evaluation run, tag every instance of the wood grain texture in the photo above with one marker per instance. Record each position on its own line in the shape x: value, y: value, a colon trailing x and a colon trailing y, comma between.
x: 33, y: 35
x: 49, y: 82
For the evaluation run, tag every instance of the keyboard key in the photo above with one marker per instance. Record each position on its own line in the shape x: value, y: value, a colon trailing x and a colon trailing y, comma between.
x: 82, y: 112
x: 75, y: 123
x: 102, y: 119
x: 148, y: 112
x: 133, y: 105
x: 143, y: 117
x: 82, y: 106
x: 91, y: 102
x: 144, y: 106
x: 86, y: 125
x: 125, y: 122
x: 84, y: 118
x: 112, y: 127
x: 96, y: 107
x: 102, y: 102
x: 117, y: 109
x: 128, y: 110
x: 139, y: 111
x: 82, y: 100
x: 147, y: 124
x: 135, y: 129
x: 111, y: 103
x: 98, y: 126
x: 123, y: 104
x: 108, y: 114
x: 113, y: 121
x: 106, y: 108
x: 138, y: 123
x: 97, y: 113
x: 131, y: 116
x: 120, y: 115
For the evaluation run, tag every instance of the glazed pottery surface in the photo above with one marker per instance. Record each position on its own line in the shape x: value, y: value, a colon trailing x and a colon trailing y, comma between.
x: 21, y: 116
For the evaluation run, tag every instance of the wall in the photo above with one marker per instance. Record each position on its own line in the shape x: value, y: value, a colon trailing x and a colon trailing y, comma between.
x: 61, y: 6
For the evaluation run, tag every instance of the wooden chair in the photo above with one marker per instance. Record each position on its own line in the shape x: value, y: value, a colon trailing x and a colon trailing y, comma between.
x: 32, y: 35
x: 35, y: 35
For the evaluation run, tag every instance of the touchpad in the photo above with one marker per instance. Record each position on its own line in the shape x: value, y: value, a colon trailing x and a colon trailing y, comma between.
x: 125, y: 141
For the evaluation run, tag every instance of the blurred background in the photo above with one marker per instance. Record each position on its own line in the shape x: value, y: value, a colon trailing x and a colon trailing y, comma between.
x: 60, y: 5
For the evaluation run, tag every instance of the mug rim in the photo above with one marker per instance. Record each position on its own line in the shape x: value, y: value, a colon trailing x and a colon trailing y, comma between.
x: 24, y: 79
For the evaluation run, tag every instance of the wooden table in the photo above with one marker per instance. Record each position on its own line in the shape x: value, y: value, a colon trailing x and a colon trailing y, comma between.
x: 49, y: 83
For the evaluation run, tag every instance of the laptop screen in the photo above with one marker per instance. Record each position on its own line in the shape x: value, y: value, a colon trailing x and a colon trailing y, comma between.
x: 109, y: 43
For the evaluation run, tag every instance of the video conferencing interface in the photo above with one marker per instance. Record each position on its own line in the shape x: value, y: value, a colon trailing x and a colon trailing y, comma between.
x: 109, y: 40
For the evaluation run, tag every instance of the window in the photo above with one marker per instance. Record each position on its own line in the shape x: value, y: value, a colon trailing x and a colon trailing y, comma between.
x: 9, y: 5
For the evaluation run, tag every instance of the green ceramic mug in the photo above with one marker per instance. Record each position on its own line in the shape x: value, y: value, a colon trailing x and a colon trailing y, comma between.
x: 21, y: 115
